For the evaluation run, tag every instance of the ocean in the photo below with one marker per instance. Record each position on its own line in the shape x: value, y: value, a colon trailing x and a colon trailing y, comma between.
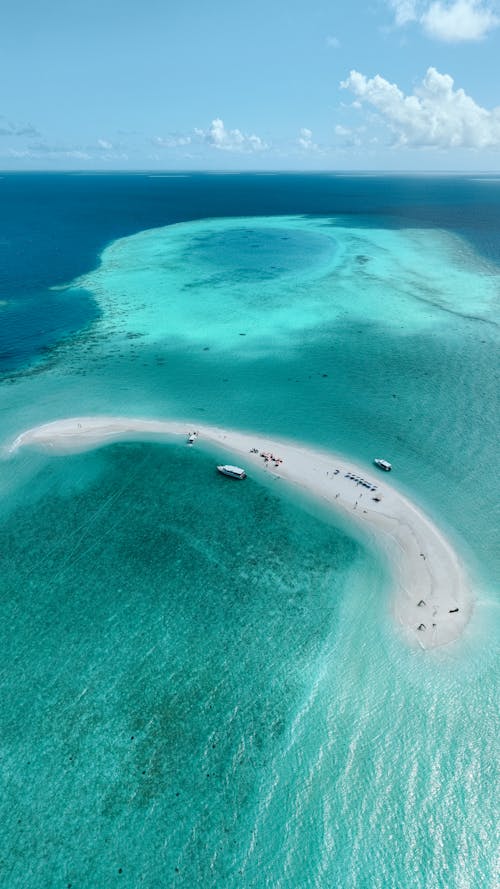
x: 201, y: 681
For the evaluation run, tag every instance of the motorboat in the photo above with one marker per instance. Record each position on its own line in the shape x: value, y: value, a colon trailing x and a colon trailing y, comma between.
x: 192, y: 437
x: 383, y: 464
x: 232, y: 471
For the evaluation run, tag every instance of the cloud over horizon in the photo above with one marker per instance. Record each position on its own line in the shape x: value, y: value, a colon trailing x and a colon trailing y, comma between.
x: 435, y: 116
x: 305, y: 140
x: 174, y: 140
x: 8, y: 128
x: 101, y: 150
x: 404, y: 11
x: 451, y: 22
x: 230, y: 140
x: 463, y: 20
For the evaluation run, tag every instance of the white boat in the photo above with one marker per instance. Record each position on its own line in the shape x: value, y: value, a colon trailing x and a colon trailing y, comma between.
x: 232, y: 471
x: 192, y: 438
x: 383, y: 464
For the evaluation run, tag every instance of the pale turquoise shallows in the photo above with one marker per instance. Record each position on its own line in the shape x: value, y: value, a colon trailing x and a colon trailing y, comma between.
x: 205, y: 687
x: 275, y: 279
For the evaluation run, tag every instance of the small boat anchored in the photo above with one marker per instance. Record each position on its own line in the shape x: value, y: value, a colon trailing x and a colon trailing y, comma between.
x: 383, y: 464
x: 232, y: 471
x: 192, y: 438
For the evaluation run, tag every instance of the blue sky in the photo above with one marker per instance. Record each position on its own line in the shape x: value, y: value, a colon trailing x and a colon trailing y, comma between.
x: 267, y: 84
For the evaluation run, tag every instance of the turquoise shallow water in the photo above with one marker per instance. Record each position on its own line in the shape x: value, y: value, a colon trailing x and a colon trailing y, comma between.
x: 204, y: 677
x: 201, y: 681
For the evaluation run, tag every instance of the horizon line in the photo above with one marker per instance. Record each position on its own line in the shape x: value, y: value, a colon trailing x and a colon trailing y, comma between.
x: 296, y: 171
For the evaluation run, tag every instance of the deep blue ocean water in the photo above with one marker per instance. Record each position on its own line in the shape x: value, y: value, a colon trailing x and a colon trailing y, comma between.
x: 201, y: 684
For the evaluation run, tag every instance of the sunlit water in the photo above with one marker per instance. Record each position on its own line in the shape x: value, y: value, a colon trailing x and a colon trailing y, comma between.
x: 201, y: 681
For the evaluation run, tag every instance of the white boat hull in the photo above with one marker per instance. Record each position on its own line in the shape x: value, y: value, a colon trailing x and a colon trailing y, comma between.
x: 232, y: 471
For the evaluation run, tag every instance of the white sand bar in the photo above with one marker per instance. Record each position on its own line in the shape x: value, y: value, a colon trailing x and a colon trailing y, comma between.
x: 431, y: 588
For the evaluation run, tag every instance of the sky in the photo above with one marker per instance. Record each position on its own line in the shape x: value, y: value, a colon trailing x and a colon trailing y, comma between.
x: 396, y: 85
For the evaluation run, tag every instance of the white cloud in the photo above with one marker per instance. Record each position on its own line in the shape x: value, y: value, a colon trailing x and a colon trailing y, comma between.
x: 350, y: 137
x: 42, y: 152
x: 305, y: 140
x: 230, y: 140
x: 454, y: 21
x: 436, y: 115
x: 175, y: 140
x: 462, y: 20
x: 8, y: 128
x: 404, y: 11
x: 333, y: 42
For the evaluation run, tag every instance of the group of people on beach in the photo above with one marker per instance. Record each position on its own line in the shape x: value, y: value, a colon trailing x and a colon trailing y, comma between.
x: 270, y: 458
x: 267, y: 457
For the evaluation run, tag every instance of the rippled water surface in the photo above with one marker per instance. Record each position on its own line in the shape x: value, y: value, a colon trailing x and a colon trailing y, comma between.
x: 201, y: 681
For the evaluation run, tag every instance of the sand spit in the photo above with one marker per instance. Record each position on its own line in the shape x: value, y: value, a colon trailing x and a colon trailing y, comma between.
x: 432, y: 594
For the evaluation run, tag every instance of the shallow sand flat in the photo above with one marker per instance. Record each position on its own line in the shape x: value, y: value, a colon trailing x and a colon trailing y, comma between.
x: 425, y: 567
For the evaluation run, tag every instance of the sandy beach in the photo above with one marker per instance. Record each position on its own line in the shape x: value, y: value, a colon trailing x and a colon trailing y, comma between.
x: 432, y: 599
